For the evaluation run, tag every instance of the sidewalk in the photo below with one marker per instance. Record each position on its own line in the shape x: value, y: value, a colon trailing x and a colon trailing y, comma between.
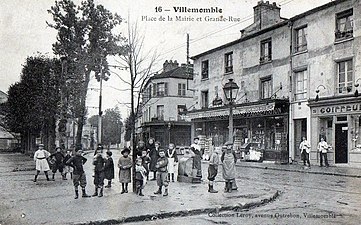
x: 52, y: 202
x: 315, y: 169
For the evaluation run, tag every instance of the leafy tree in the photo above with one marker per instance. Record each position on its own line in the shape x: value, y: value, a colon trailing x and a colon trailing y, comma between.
x: 85, y: 39
x: 33, y: 102
x: 111, y: 125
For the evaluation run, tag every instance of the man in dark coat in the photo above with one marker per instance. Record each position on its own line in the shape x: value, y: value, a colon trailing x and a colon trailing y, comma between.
x: 109, y: 169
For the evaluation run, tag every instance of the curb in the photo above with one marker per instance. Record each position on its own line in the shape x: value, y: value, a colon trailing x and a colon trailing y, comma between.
x: 183, y: 213
x: 301, y: 171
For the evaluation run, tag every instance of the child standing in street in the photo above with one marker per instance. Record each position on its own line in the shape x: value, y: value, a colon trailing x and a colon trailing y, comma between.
x: 162, y: 173
x: 145, y: 162
x: 99, y: 164
x: 213, y: 170
x: 79, y: 177
x: 229, y: 160
x: 109, y: 169
x: 140, y: 176
x: 59, y: 163
x: 172, y: 160
x: 125, y: 165
x: 40, y: 157
x: 68, y: 169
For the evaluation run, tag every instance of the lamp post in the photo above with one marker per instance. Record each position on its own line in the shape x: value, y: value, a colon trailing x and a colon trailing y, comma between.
x: 230, y: 91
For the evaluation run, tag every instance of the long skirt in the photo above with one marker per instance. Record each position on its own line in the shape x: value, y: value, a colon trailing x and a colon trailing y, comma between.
x: 42, y: 165
x: 171, y: 165
x: 125, y: 176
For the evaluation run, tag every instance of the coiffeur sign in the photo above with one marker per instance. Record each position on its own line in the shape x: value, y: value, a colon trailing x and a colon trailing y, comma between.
x: 337, y: 109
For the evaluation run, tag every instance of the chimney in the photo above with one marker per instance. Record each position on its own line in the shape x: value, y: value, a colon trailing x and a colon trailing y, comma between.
x: 170, y: 65
x: 266, y: 14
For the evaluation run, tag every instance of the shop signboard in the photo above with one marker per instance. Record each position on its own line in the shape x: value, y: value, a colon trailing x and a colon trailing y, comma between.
x: 339, y: 109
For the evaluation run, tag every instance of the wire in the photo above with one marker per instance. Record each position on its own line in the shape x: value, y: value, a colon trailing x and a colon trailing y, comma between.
x: 244, y: 19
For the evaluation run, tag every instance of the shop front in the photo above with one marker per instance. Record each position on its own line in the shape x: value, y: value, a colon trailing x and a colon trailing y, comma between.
x: 262, y: 124
x: 165, y: 132
x: 338, y: 121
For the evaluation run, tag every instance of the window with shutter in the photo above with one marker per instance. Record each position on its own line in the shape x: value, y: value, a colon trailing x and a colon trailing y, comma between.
x: 165, y: 88
x: 154, y: 89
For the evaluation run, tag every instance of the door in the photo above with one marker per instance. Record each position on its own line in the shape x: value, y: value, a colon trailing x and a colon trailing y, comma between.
x: 341, y: 143
x: 300, y: 131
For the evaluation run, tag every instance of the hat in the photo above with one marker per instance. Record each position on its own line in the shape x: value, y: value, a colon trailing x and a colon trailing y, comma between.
x: 109, y: 153
x: 228, y: 143
x: 196, y: 138
x: 42, y: 145
x: 125, y: 150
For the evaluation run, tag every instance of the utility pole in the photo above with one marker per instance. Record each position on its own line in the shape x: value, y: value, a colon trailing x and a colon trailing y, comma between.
x: 100, y: 103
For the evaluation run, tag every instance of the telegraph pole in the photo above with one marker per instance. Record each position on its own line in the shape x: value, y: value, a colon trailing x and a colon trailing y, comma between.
x: 100, y: 103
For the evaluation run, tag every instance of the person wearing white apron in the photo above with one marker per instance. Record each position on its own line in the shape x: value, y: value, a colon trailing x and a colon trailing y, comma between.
x: 40, y: 158
x: 229, y: 159
x: 171, y: 154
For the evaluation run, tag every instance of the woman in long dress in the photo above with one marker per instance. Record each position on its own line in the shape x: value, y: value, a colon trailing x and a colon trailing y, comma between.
x: 153, y: 149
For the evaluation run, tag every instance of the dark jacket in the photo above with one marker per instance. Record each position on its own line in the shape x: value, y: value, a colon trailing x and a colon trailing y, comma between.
x: 77, y: 163
x: 99, y: 163
x: 59, y: 157
x: 162, y: 164
x: 109, y: 169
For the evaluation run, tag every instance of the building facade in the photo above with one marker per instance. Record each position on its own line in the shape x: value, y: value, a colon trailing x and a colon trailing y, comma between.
x: 279, y: 64
x: 165, y: 96
x: 330, y: 59
x: 258, y: 62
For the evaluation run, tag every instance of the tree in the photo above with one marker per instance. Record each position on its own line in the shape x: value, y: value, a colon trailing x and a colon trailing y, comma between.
x: 85, y: 39
x: 32, y: 106
x: 111, y: 125
x: 140, y: 65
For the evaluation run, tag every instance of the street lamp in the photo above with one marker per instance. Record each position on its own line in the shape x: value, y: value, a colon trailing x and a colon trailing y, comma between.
x: 230, y: 91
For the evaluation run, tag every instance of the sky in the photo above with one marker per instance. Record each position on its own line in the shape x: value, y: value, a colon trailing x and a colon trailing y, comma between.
x: 24, y: 32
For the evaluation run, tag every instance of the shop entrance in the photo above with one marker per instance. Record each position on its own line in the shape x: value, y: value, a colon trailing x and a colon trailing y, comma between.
x: 300, y: 131
x: 341, y: 143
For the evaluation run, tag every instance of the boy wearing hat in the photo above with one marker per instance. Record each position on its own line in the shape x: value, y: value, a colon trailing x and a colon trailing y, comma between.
x: 140, y: 176
x: 162, y: 175
x: 59, y: 163
x: 125, y: 165
x: 229, y: 160
x: 79, y: 177
x: 109, y: 169
x: 40, y: 157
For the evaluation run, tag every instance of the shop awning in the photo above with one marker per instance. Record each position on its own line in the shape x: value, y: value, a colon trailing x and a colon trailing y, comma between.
x: 238, y: 110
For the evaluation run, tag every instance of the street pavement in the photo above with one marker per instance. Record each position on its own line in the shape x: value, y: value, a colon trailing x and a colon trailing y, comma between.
x: 307, y: 196
x: 52, y: 202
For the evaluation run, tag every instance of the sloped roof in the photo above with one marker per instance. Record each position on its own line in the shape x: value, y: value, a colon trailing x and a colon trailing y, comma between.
x: 180, y: 72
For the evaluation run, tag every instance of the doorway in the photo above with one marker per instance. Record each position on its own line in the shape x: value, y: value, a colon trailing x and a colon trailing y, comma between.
x: 300, y: 131
x: 341, y: 143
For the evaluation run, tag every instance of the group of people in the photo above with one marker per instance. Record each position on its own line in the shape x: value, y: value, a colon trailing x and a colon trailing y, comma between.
x: 54, y: 162
x: 150, y: 157
x: 305, y: 149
